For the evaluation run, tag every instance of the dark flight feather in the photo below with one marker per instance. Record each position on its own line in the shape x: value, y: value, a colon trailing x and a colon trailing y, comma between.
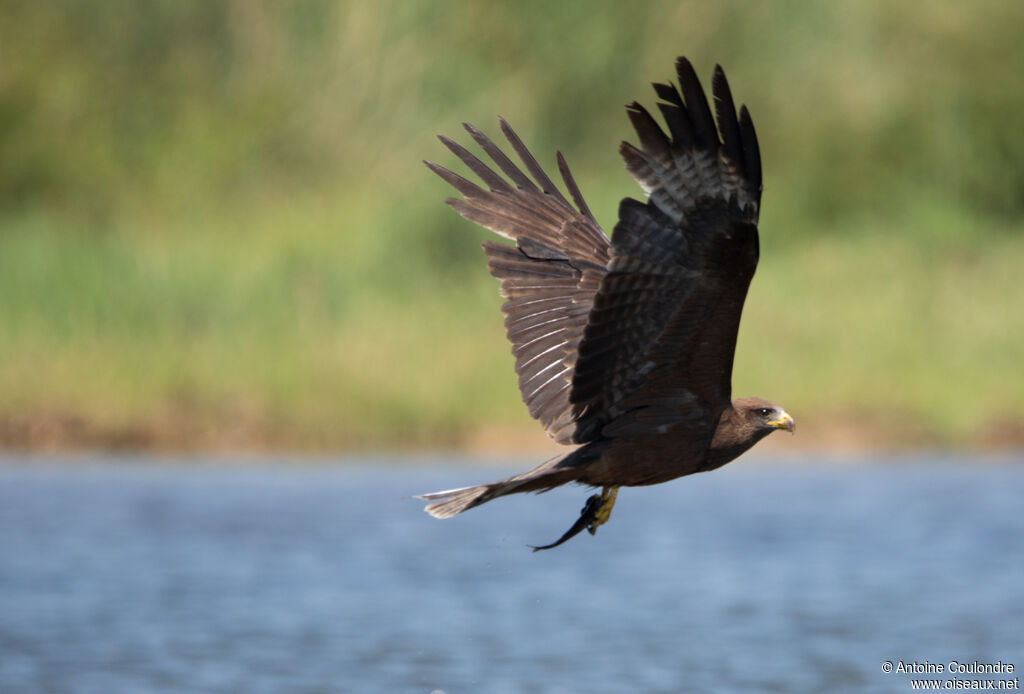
x: 549, y: 277
x: 751, y: 152
x: 589, y: 321
x: 725, y: 109
x: 648, y: 321
x: 697, y: 105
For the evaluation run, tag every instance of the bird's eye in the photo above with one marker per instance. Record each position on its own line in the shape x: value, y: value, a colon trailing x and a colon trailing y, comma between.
x: 764, y: 411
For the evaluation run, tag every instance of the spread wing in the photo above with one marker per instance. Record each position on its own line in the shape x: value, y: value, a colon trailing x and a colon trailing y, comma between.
x: 549, y: 277
x: 657, y: 351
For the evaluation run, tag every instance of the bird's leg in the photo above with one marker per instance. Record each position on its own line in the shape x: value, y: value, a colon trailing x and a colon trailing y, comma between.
x: 594, y: 513
x: 604, y: 511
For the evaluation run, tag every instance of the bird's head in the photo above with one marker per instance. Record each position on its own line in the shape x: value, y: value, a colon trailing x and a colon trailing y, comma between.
x: 765, y: 415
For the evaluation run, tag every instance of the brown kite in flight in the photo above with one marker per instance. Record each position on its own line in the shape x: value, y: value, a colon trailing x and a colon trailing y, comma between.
x: 625, y: 347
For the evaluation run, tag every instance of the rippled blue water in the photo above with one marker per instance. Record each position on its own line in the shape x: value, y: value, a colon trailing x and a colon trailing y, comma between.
x: 144, y: 576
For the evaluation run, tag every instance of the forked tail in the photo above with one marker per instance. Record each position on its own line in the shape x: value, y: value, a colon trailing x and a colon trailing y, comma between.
x: 454, y: 501
x: 553, y: 473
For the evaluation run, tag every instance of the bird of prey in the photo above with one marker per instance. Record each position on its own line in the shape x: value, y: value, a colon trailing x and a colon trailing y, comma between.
x: 624, y: 346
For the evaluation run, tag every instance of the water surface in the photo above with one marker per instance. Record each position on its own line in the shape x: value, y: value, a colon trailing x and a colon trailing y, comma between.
x: 149, y: 576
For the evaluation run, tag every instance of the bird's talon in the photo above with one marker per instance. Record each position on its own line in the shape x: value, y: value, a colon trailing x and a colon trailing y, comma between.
x: 604, y: 511
x: 594, y: 514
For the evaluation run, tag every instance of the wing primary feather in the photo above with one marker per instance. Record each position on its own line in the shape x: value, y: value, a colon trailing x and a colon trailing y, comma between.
x: 678, y: 124
x: 751, y: 152
x: 697, y: 106
x: 651, y: 136
x: 675, y: 115
x: 726, y: 111
x: 493, y: 180
x: 530, y: 162
x: 574, y: 190
x: 669, y: 93
x: 464, y: 186
x: 503, y: 162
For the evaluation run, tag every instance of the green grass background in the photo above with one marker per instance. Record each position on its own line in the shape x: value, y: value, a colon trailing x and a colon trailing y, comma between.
x: 215, y: 230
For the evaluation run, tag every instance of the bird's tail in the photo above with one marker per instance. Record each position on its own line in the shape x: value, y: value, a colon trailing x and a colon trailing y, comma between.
x: 454, y: 501
x: 555, y: 472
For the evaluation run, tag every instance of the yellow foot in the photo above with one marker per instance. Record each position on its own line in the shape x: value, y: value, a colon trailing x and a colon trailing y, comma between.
x: 604, y: 511
x: 595, y: 513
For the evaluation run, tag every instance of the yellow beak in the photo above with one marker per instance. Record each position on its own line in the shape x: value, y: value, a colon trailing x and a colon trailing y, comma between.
x: 783, y: 422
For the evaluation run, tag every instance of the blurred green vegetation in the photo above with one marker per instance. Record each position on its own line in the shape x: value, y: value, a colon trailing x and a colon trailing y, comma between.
x: 215, y: 231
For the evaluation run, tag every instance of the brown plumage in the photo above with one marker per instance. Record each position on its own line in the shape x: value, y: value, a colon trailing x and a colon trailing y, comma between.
x: 625, y: 347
